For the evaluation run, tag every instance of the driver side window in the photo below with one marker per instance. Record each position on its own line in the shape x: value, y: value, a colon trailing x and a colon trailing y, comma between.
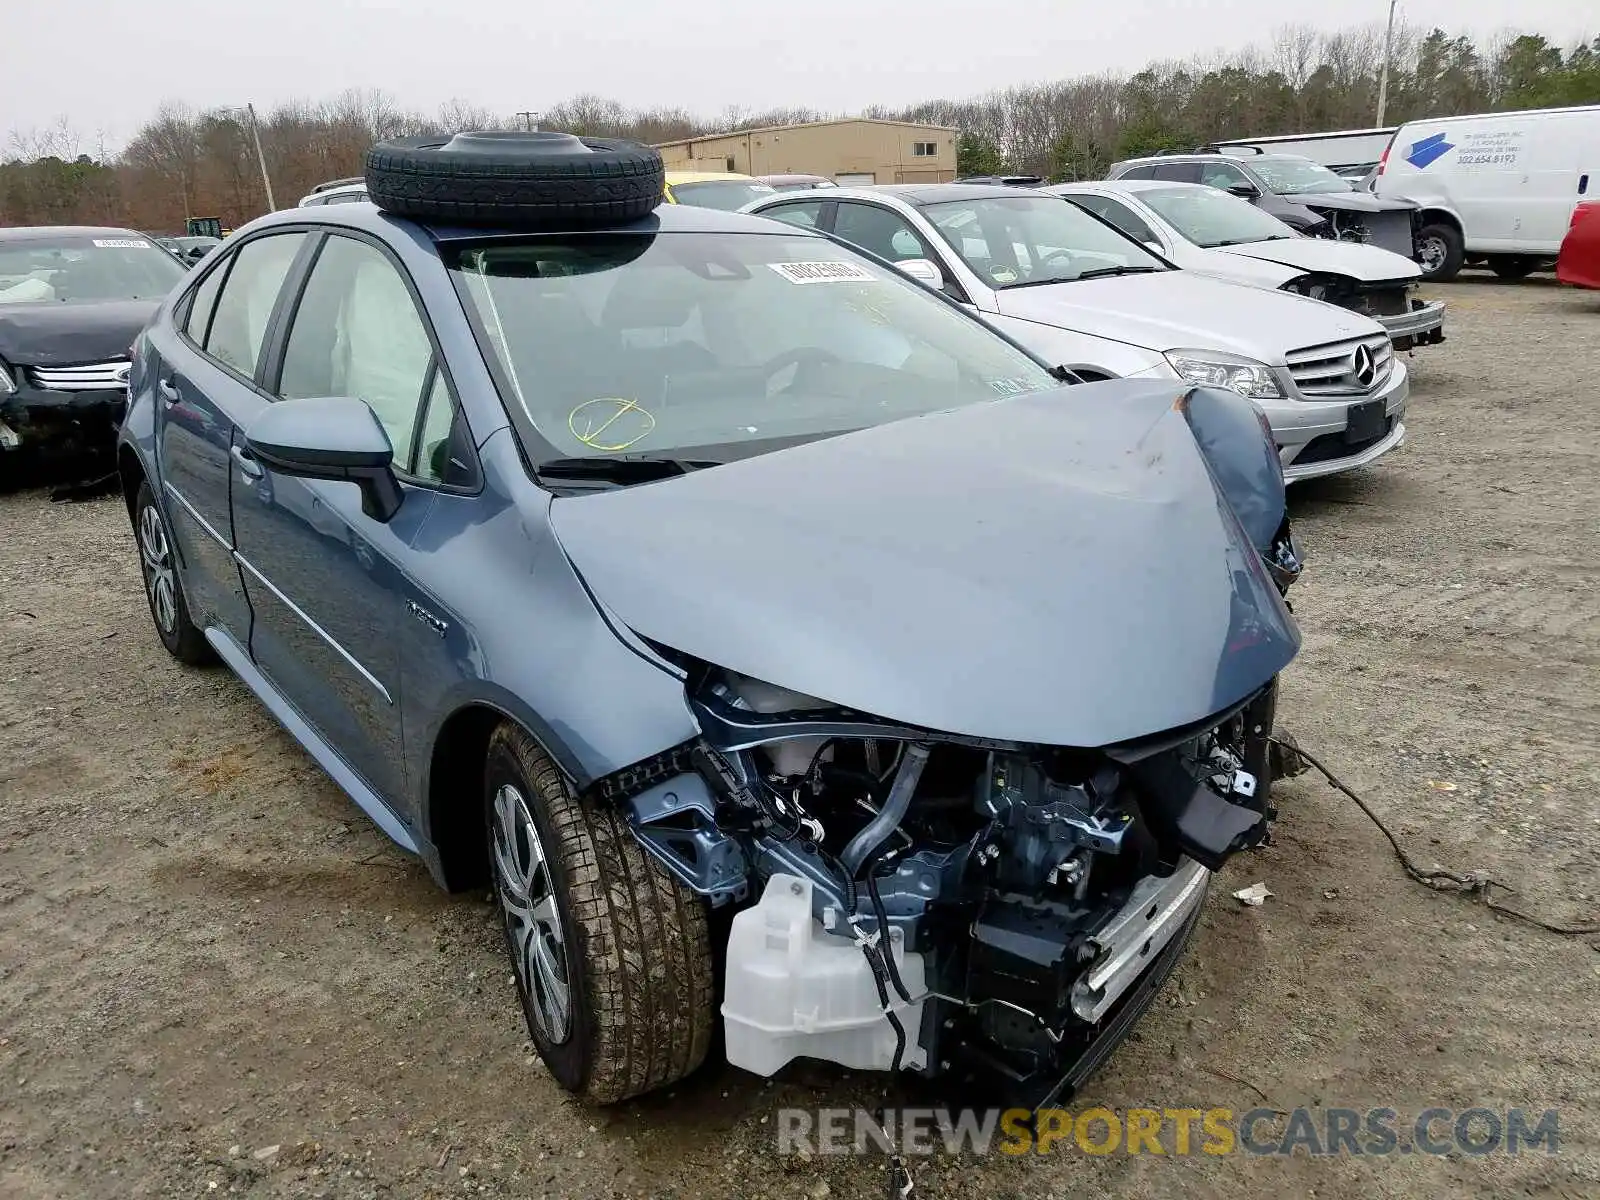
x: 1223, y: 175
x: 357, y: 332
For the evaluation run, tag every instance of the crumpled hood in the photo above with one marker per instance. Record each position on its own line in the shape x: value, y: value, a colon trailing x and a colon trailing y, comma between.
x: 1369, y: 264
x: 1173, y: 310
x: 1349, y: 201
x: 48, y: 335
x: 1056, y: 568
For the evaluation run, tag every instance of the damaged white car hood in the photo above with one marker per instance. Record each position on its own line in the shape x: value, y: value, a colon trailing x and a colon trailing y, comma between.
x: 1368, y: 264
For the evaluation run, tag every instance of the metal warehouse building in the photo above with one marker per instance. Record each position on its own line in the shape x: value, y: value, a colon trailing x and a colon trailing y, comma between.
x: 851, y: 151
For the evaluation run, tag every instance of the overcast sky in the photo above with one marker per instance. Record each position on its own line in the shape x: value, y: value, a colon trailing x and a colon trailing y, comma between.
x: 107, y: 64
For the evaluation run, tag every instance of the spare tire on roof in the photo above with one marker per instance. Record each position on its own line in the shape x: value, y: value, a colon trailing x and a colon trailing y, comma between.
x: 529, y: 180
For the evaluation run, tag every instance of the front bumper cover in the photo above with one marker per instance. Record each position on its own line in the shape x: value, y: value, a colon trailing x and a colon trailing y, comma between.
x: 1423, y: 325
x: 46, y: 433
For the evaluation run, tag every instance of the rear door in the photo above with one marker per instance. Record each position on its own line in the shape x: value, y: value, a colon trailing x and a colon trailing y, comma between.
x: 205, y: 372
x: 327, y: 583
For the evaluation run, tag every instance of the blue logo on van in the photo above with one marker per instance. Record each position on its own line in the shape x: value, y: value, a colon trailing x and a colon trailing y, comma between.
x: 1428, y: 150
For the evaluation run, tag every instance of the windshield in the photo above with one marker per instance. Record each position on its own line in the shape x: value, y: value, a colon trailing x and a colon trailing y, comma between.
x: 1018, y: 241
x: 1289, y: 175
x: 85, y: 269
x: 1209, y: 217
x: 642, y: 344
x: 729, y: 195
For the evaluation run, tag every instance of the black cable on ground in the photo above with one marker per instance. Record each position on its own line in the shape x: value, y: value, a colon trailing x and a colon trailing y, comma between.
x: 1437, y: 877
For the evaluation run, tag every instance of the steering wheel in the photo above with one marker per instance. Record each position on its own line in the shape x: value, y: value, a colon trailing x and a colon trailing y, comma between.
x: 1046, y: 259
x: 799, y: 358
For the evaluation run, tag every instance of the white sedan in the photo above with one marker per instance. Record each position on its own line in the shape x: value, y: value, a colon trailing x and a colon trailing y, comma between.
x: 1207, y: 231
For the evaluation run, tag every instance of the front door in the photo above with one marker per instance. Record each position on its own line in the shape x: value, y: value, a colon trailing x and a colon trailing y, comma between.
x: 326, y: 582
x: 203, y: 377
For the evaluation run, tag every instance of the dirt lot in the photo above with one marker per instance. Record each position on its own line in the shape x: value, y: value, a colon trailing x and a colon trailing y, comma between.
x: 207, y: 952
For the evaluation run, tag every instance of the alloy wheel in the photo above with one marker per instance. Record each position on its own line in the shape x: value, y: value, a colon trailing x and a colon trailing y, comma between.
x: 533, y: 921
x: 155, y: 552
x: 1431, y: 251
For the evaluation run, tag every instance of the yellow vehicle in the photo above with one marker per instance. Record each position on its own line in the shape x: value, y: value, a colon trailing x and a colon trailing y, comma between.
x: 726, y: 190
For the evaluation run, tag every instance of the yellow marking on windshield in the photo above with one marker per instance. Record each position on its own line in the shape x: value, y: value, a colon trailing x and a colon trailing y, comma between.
x: 591, y: 433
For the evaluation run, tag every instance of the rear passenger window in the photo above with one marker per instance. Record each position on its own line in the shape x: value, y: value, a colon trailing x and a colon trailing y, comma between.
x: 201, y: 301
x: 239, y: 325
x: 357, y: 333
x: 1119, y: 215
x: 803, y: 214
x: 1178, y: 172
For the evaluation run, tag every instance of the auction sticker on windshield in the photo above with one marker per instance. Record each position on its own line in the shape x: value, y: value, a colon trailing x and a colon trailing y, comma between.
x: 823, y: 272
x: 121, y: 244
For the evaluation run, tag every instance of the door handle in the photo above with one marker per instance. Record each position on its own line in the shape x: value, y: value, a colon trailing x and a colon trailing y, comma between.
x: 169, y: 392
x: 248, y: 466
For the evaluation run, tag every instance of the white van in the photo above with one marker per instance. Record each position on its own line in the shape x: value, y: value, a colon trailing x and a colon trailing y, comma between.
x: 1497, y: 188
x: 1348, y: 152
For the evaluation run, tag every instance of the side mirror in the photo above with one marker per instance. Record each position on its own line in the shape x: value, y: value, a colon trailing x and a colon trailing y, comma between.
x: 335, y: 437
x: 923, y: 271
x: 1152, y: 244
x: 1244, y: 191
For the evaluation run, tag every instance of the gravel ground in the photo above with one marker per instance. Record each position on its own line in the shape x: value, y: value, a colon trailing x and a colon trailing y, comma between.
x: 217, y: 977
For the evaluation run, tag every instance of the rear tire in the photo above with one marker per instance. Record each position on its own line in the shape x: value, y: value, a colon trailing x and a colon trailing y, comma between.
x: 1440, y: 251
x: 586, y: 913
x: 1513, y: 266
x: 163, y: 588
x: 531, y: 180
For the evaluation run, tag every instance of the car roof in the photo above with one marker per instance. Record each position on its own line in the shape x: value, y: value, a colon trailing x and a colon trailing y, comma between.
x: 919, y: 194
x: 677, y: 177
x: 332, y: 189
x: 1122, y: 185
x: 47, y: 233
x: 667, y: 218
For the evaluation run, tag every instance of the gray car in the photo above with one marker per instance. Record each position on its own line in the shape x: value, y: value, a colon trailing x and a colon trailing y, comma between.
x: 1303, y: 194
x: 713, y: 591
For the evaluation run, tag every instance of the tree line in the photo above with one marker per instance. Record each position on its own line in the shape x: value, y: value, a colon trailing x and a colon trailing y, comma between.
x: 186, y: 162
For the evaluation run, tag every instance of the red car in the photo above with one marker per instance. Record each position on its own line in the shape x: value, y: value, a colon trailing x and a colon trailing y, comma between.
x: 1579, y: 263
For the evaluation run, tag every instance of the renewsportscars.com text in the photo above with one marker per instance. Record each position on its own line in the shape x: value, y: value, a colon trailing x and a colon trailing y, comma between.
x: 1170, y: 1131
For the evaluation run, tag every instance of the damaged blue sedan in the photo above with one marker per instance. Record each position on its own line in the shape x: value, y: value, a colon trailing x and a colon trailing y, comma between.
x: 775, y: 639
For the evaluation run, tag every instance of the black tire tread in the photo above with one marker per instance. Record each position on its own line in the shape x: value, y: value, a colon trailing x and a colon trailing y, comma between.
x: 1455, y: 250
x: 643, y: 940
x: 620, y: 185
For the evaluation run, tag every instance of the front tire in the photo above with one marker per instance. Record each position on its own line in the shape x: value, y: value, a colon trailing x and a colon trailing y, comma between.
x: 612, y: 956
x: 163, y: 587
x: 1440, y: 251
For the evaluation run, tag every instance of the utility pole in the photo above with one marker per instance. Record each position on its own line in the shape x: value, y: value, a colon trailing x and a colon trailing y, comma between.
x: 261, y: 159
x: 528, y: 121
x: 1383, y: 79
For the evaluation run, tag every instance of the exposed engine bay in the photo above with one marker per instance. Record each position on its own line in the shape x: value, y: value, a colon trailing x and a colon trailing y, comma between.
x: 1389, y: 229
x: 905, y: 899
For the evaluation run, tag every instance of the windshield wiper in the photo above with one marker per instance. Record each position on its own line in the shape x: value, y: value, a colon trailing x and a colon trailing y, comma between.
x: 621, y: 468
x: 1104, y: 272
x: 1272, y: 237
